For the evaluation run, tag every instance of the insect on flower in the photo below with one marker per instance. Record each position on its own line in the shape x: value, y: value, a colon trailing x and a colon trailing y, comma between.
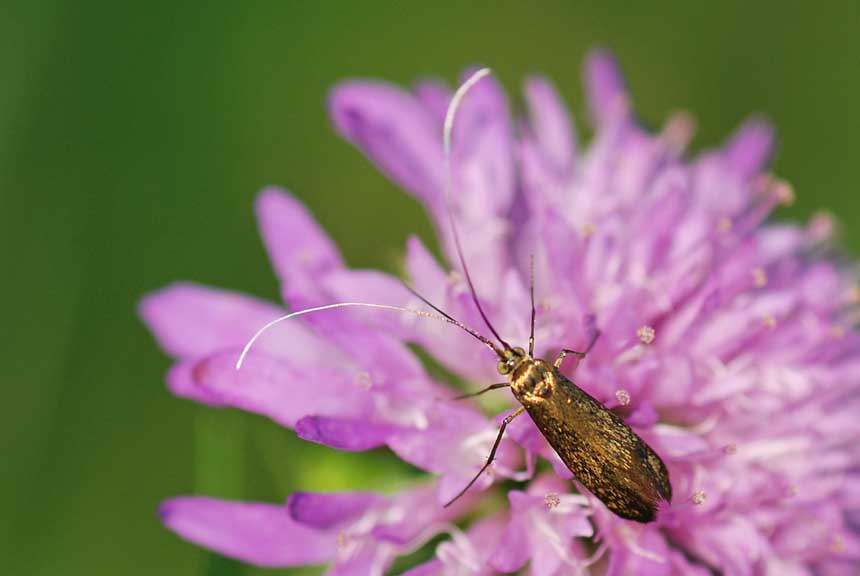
x: 728, y: 342
x: 601, y: 450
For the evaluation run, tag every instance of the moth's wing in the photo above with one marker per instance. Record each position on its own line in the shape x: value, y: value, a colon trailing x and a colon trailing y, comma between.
x: 604, y: 454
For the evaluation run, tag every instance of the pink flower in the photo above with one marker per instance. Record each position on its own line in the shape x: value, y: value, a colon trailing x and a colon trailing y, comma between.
x: 729, y: 344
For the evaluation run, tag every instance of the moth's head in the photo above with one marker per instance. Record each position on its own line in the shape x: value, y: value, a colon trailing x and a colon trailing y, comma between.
x: 512, y: 357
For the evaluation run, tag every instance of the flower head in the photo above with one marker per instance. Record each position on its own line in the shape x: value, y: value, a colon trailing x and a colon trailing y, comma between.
x: 729, y: 344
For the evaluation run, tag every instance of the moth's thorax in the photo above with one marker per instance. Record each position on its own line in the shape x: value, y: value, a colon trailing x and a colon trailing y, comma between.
x: 533, y: 381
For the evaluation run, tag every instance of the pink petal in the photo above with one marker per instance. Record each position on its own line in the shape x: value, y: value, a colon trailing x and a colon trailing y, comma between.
x: 645, y: 554
x: 344, y: 434
x: 750, y: 147
x: 254, y: 532
x: 438, y: 446
x: 182, y: 381
x: 325, y: 511
x: 435, y: 95
x: 376, y: 287
x: 432, y: 567
x: 734, y: 544
x: 395, y: 131
x: 368, y: 560
x: 514, y: 550
x: 278, y: 388
x: 470, y: 553
x: 192, y: 320
x: 448, y: 344
x: 681, y: 565
x: 304, y: 257
x: 299, y: 249
x: 411, y: 513
x: 605, y: 84
x: 551, y: 124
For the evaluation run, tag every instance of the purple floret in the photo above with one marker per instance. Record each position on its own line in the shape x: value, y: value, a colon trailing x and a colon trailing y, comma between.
x: 729, y: 343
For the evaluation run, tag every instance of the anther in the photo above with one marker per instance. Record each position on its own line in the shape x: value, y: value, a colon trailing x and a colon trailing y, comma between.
x: 623, y: 397
x: 646, y: 334
x: 699, y: 497
x: 547, y: 304
x: 678, y: 130
x: 730, y: 449
x: 821, y: 226
x: 838, y: 543
x: 783, y: 192
x: 759, y: 277
x: 764, y: 182
x: 724, y: 224
x: 769, y: 320
x: 551, y: 500
x: 364, y: 381
x: 588, y: 229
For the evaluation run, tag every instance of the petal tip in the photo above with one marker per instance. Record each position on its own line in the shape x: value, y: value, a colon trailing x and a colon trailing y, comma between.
x: 749, y: 149
x: 168, y: 509
x: 605, y: 83
x: 344, y: 106
x: 155, y: 308
x: 308, y: 428
x: 273, y: 197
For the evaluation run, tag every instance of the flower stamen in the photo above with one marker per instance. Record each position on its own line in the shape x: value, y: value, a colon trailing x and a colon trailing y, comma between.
x: 759, y: 277
x: 646, y: 334
x: 551, y: 500
x: 725, y: 224
x: 364, y: 380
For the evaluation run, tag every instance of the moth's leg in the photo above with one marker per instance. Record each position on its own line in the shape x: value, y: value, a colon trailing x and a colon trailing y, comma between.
x: 487, y: 389
x: 492, y: 456
x: 564, y: 351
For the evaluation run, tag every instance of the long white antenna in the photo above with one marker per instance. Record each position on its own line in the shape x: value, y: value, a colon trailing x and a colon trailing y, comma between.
x: 452, y: 111
x: 422, y: 313
x: 453, y: 106
x: 446, y: 147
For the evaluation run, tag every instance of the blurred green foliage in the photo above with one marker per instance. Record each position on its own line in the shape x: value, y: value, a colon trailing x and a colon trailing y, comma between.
x: 134, y: 136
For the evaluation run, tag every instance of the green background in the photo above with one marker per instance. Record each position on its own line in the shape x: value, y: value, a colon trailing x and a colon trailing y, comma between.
x: 133, y: 139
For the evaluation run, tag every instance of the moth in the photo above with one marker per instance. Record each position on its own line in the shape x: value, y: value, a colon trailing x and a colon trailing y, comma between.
x: 604, y: 454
